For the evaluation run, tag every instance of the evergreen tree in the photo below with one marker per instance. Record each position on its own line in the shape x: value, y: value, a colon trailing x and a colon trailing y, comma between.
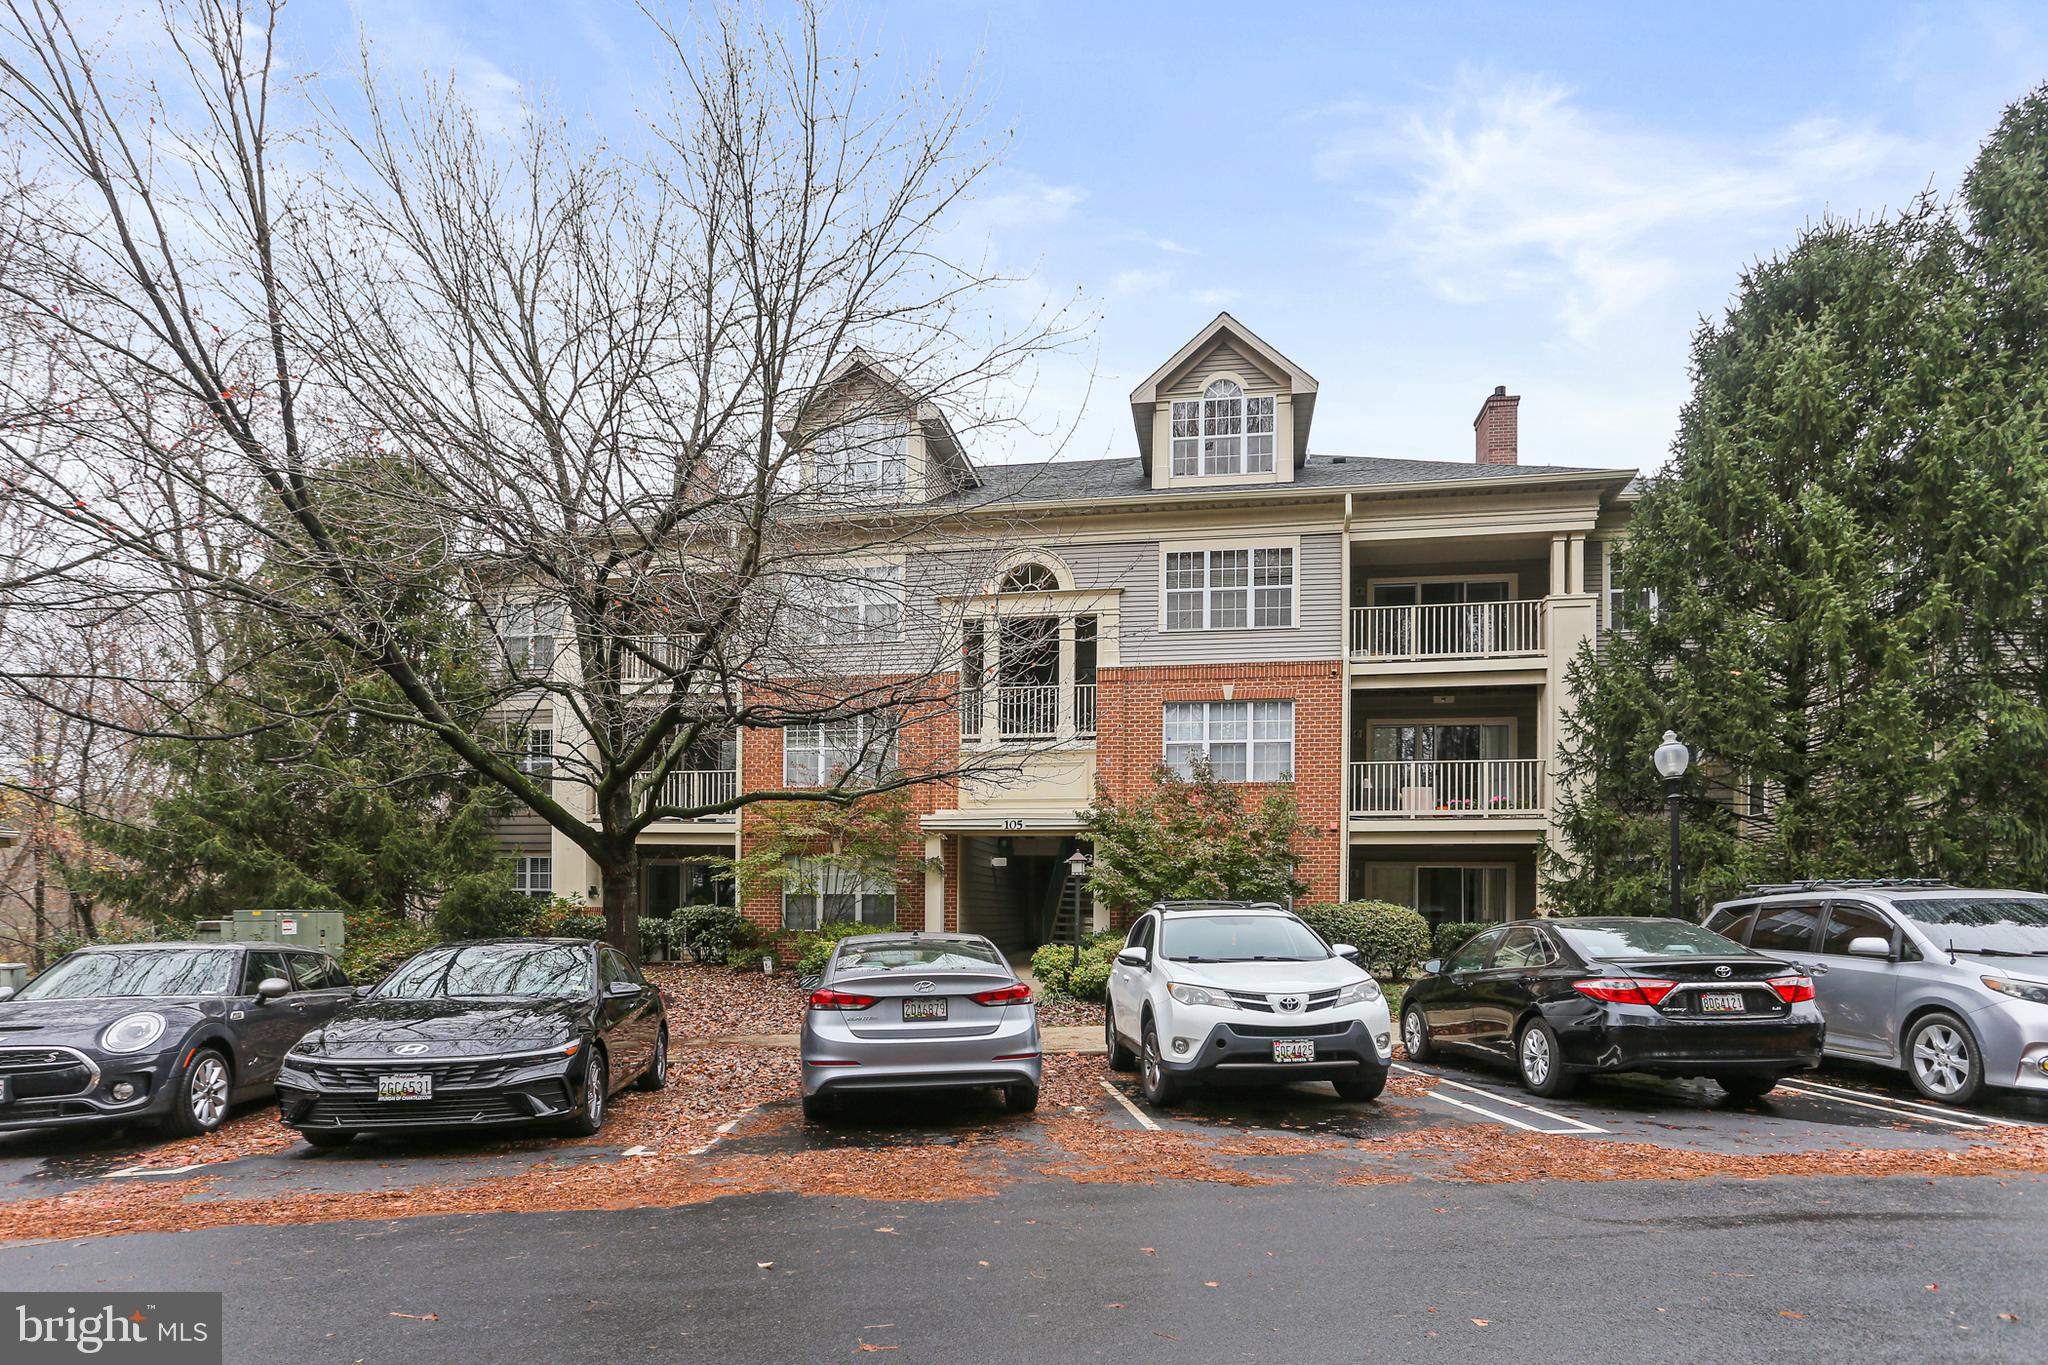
x: 1847, y: 561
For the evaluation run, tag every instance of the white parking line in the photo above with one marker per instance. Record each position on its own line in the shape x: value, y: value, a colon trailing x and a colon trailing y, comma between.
x: 1915, y: 1104
x: 156, y: 1170
x: 1971, y: 1125
x: 1125, y: 1100
x: 1489, y: 1114
x: 720, y: 1132
x: 1576, y: 1125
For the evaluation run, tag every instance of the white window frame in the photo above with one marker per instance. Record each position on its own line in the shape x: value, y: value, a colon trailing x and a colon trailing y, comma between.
x: 1234, y: 587
x: 1186, y: 429
x: 537, y: 752
x: 1223, y: 412
x: 1222, y: 726
x: 1261, y: 431
x: 528, y: 645
x: 807, y: 750
x: 867, y: 457
x: 864, y: 605
x: 1646, y: 605
x: 867, y: 897
x: 534, y: 875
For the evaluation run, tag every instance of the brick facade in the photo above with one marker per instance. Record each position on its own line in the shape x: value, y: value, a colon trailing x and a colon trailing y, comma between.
x: 1131, y: 740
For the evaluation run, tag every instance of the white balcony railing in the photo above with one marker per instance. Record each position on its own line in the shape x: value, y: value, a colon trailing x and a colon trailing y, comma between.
x: 651, y: 658
x: 696, y: 787
x: 1447, y: 631
x: 1473, y: 788
x: 1027, y: 711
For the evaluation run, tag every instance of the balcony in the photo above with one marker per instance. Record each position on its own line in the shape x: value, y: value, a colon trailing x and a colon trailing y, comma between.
x: 1456, y: 631
x: 651, y: 658
x: 1463, y: 789
x: 691, y: 788
x: 1027, y: 712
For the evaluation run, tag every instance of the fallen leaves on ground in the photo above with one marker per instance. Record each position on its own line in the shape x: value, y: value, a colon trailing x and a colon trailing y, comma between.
x: 712, y: 1002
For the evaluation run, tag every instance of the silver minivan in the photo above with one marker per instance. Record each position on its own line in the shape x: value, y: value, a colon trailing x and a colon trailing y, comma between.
x: 1948, y: 984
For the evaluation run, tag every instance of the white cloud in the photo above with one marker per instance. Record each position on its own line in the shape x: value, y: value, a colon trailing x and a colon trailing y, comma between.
x: 1509, y: 185
x: 1127, y: 282
x: 407, y: 44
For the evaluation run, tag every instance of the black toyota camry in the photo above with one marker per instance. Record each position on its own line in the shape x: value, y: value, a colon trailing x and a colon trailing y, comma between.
x: 169, y: 1032
x: 1563, y: 998
x: 474, y: 1035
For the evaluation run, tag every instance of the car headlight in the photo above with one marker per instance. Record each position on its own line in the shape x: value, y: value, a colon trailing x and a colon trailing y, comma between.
x: 2019, y: 990
x: 310, y: 1045
x: 1359, y: 992
x: 132, y: 1032
x: 1201, y: 995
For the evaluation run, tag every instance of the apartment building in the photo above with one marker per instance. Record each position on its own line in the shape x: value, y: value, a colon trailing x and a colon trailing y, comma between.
x: 1390, y: 634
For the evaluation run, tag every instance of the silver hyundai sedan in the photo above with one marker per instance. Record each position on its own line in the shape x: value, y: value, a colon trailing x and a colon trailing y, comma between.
x: 911, y: 1011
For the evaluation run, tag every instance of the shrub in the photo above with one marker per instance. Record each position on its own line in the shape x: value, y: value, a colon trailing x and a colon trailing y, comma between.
x: 1090, y: 980
x: 1452, y: 935
x: 815, y: 947
x: 578, y: 926
x: 742, y: 958
x: 1058, y: 974
x: 373, y: 951
x: 484, y: 905
x: 710, y: 933
x: 1391, y: 939
x: 1051, y: 964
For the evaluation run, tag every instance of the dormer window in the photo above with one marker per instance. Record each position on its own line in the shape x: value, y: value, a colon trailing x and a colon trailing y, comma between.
x: 1224, y: 433
x: 864, y: 458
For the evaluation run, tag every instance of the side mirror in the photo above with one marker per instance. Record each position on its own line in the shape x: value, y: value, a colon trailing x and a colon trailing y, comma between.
x: 1870, y: 945
x: 6, y: 992
x: 273, y: 988
x: 1134, y: 957
x: 622, y: 988
x: 362, y: 992
x: 1345, y: 951
x: 1433, y: 966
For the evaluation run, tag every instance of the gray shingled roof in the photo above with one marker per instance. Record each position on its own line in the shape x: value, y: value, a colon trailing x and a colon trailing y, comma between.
x: 1085, y: 480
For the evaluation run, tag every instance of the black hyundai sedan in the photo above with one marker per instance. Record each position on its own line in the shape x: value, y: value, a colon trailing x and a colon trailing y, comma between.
x: 1565, y: 998
x: 481, y: 1034
x: 173, y: 1033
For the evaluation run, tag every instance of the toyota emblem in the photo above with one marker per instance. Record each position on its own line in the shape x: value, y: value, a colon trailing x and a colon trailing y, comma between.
x: 1724, y: 971
x: 410, y: 1049
x: 925, y: 987
x: 1288, y: 1003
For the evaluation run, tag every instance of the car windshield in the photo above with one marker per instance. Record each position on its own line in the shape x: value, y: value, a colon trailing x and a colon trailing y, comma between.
x: 135, y: 971
x: 1645, y: 938
x: 918, y: 955
x: 486, y: 970
x: 1990, y: 925
x: 1239, y: 938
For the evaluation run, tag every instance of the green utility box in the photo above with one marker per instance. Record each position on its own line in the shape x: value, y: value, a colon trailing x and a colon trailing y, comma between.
x: 306, y: 928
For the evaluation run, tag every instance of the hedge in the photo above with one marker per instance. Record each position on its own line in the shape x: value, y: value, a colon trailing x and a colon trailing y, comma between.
x: 1452, y: 935
x: 1054, y: 967
x: 814, y: 948
x: 1392, y: 940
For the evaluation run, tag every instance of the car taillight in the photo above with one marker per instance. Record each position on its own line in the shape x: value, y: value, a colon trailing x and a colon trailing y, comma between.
x: 1792, y: 989
x: 1014, y: 994
x: 1626, y: 990
x: 825, y: 998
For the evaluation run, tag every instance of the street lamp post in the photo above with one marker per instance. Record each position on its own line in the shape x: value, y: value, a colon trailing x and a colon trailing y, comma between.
x: 1672, y: 759
x: 1077, y: 869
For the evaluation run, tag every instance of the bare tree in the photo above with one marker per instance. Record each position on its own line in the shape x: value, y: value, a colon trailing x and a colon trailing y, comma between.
x: 649, y: 411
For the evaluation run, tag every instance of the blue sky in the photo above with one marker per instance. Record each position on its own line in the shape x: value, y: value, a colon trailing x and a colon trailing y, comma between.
x: 1413, y: 202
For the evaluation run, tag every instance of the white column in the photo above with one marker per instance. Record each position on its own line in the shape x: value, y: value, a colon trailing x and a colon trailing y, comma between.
x: 934, y: 884
x: 1575, y: 565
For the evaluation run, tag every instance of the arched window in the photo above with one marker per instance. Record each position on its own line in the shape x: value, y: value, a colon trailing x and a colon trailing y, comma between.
x: 1224, y: 433
x: 1029, y: 577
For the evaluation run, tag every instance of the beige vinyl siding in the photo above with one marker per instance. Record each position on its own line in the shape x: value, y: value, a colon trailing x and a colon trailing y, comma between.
x: 1530, y: 577
x: 1222, y: 358
x: 1596, y: 584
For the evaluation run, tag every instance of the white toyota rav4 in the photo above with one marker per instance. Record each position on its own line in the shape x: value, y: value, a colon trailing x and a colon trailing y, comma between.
x: 1243, y: 989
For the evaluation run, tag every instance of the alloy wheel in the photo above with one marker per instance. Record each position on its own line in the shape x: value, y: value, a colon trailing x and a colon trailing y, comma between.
x: 1941, y: 1058
x: 593, y: 1094
x: 659, y: 1069
x: 1152, y: 1067
x: 1411, y: 1033
x: 208, y: 1094
x: 1535, y: 1055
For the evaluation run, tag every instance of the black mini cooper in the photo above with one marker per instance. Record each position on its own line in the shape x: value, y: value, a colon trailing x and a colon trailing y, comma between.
x: 172, y: 1033
x: 1566, y: 998
x: 481, y: 1034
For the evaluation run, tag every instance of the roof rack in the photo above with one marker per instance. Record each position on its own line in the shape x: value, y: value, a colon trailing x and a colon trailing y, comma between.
x: 1218, y: 905
x: 1845, y: 884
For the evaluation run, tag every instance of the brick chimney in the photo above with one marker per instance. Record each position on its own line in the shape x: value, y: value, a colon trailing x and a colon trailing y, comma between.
x: 1493, y: 430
